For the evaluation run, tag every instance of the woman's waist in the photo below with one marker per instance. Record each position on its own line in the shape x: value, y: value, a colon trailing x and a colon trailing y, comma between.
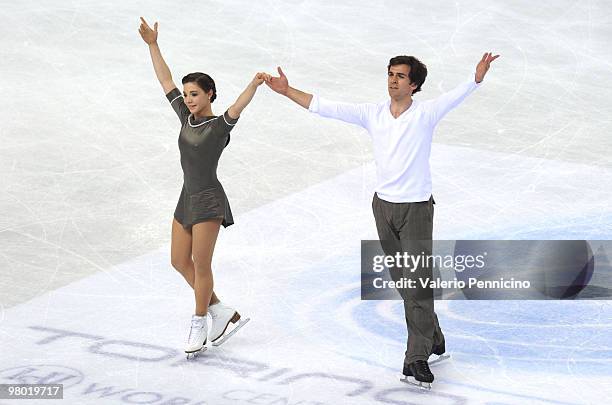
x: 196, y: 184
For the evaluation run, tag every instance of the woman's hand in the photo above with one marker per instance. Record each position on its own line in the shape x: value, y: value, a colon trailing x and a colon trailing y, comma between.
x: 148, y: 35
x: 247, y: 95
x: 260, y: 78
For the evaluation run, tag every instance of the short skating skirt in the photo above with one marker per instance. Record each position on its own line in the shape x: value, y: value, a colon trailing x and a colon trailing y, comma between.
x: 203, y: 205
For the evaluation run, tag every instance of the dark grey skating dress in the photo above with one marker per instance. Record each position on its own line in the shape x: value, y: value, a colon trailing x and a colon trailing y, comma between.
x: 201, y: 143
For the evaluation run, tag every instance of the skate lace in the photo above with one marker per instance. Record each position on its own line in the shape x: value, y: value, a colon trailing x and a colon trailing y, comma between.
x: 422, y: 367
x: 195, y: 326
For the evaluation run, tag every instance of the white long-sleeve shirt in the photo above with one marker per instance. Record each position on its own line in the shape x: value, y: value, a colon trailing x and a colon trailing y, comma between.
x: 401, y: 145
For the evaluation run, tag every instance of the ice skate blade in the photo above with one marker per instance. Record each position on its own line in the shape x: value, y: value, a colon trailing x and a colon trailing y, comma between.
x: 419, y: 384
x: 438, y: 359
x: 229, y: 334
x: 194, y: 354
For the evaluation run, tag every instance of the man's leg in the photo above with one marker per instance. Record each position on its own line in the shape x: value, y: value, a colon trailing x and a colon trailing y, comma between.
x: 388, y: 235
x: 415, y: 231
x: 386, y: 217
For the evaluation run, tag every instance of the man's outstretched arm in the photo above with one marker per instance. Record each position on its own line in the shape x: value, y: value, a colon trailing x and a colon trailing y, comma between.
x: 281, y: 86
x: 352, y: 113
x: 440, y: 106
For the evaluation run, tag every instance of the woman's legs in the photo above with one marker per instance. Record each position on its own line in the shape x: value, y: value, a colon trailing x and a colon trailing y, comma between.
x: 204, y: 237
x: 181, y: 254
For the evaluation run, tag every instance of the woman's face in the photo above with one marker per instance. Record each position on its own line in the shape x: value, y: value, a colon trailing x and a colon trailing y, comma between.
x: 196, y: 99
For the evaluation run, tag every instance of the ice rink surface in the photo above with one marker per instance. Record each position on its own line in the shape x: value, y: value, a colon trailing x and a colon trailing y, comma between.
x: 90, y: 178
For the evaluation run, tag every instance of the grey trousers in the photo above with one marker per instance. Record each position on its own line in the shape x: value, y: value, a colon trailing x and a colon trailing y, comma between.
x: 408, y: 227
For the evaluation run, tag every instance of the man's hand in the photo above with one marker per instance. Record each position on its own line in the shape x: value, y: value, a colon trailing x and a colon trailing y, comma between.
x: 278, y: 84
x: 148, y: 35
x: 484, y: 65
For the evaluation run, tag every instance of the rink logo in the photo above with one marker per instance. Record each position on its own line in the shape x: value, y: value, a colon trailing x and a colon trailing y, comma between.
x: 124, y: 349
x: 42, y: 374
x: 257, y: 371
x: 131, y: 396
x: 361, y: 389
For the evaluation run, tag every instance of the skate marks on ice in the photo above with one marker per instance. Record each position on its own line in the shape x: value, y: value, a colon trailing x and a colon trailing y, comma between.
x: 132, y: 368
x: 508, y: 336
x: 541, y: 345
x: 527, y: 348
x: 249, y: 378
x: 155, y: 376
x: 301, y: 282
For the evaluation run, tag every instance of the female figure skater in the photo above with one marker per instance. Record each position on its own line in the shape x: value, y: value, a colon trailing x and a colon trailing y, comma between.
x: 202, y: 207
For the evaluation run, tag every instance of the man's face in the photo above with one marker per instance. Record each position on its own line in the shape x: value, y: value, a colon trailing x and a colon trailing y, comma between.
x: 399, y: 83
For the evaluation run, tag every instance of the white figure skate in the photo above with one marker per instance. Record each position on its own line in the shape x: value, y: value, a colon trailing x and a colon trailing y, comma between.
x: 225, y: 323
x: 197, y: 336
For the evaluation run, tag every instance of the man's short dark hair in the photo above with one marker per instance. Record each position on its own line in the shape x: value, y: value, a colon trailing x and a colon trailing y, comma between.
x: 418, y: 70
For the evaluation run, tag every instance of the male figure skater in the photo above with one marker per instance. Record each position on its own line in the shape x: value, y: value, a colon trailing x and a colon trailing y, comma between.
x: 401, y: 129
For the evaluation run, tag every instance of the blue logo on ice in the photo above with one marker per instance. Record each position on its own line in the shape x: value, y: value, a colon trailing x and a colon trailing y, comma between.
x: 559, y: 336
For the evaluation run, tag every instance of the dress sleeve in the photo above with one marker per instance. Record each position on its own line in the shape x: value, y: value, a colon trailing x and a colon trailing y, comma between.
x: 178, y: 104
x: 226, y: 123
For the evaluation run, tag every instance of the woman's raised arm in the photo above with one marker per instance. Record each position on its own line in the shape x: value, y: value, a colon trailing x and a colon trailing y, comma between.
x: 161, y: 69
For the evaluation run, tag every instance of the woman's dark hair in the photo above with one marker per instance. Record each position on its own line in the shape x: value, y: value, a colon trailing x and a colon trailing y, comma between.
x: 203, y: 81
x: 417, y: 73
